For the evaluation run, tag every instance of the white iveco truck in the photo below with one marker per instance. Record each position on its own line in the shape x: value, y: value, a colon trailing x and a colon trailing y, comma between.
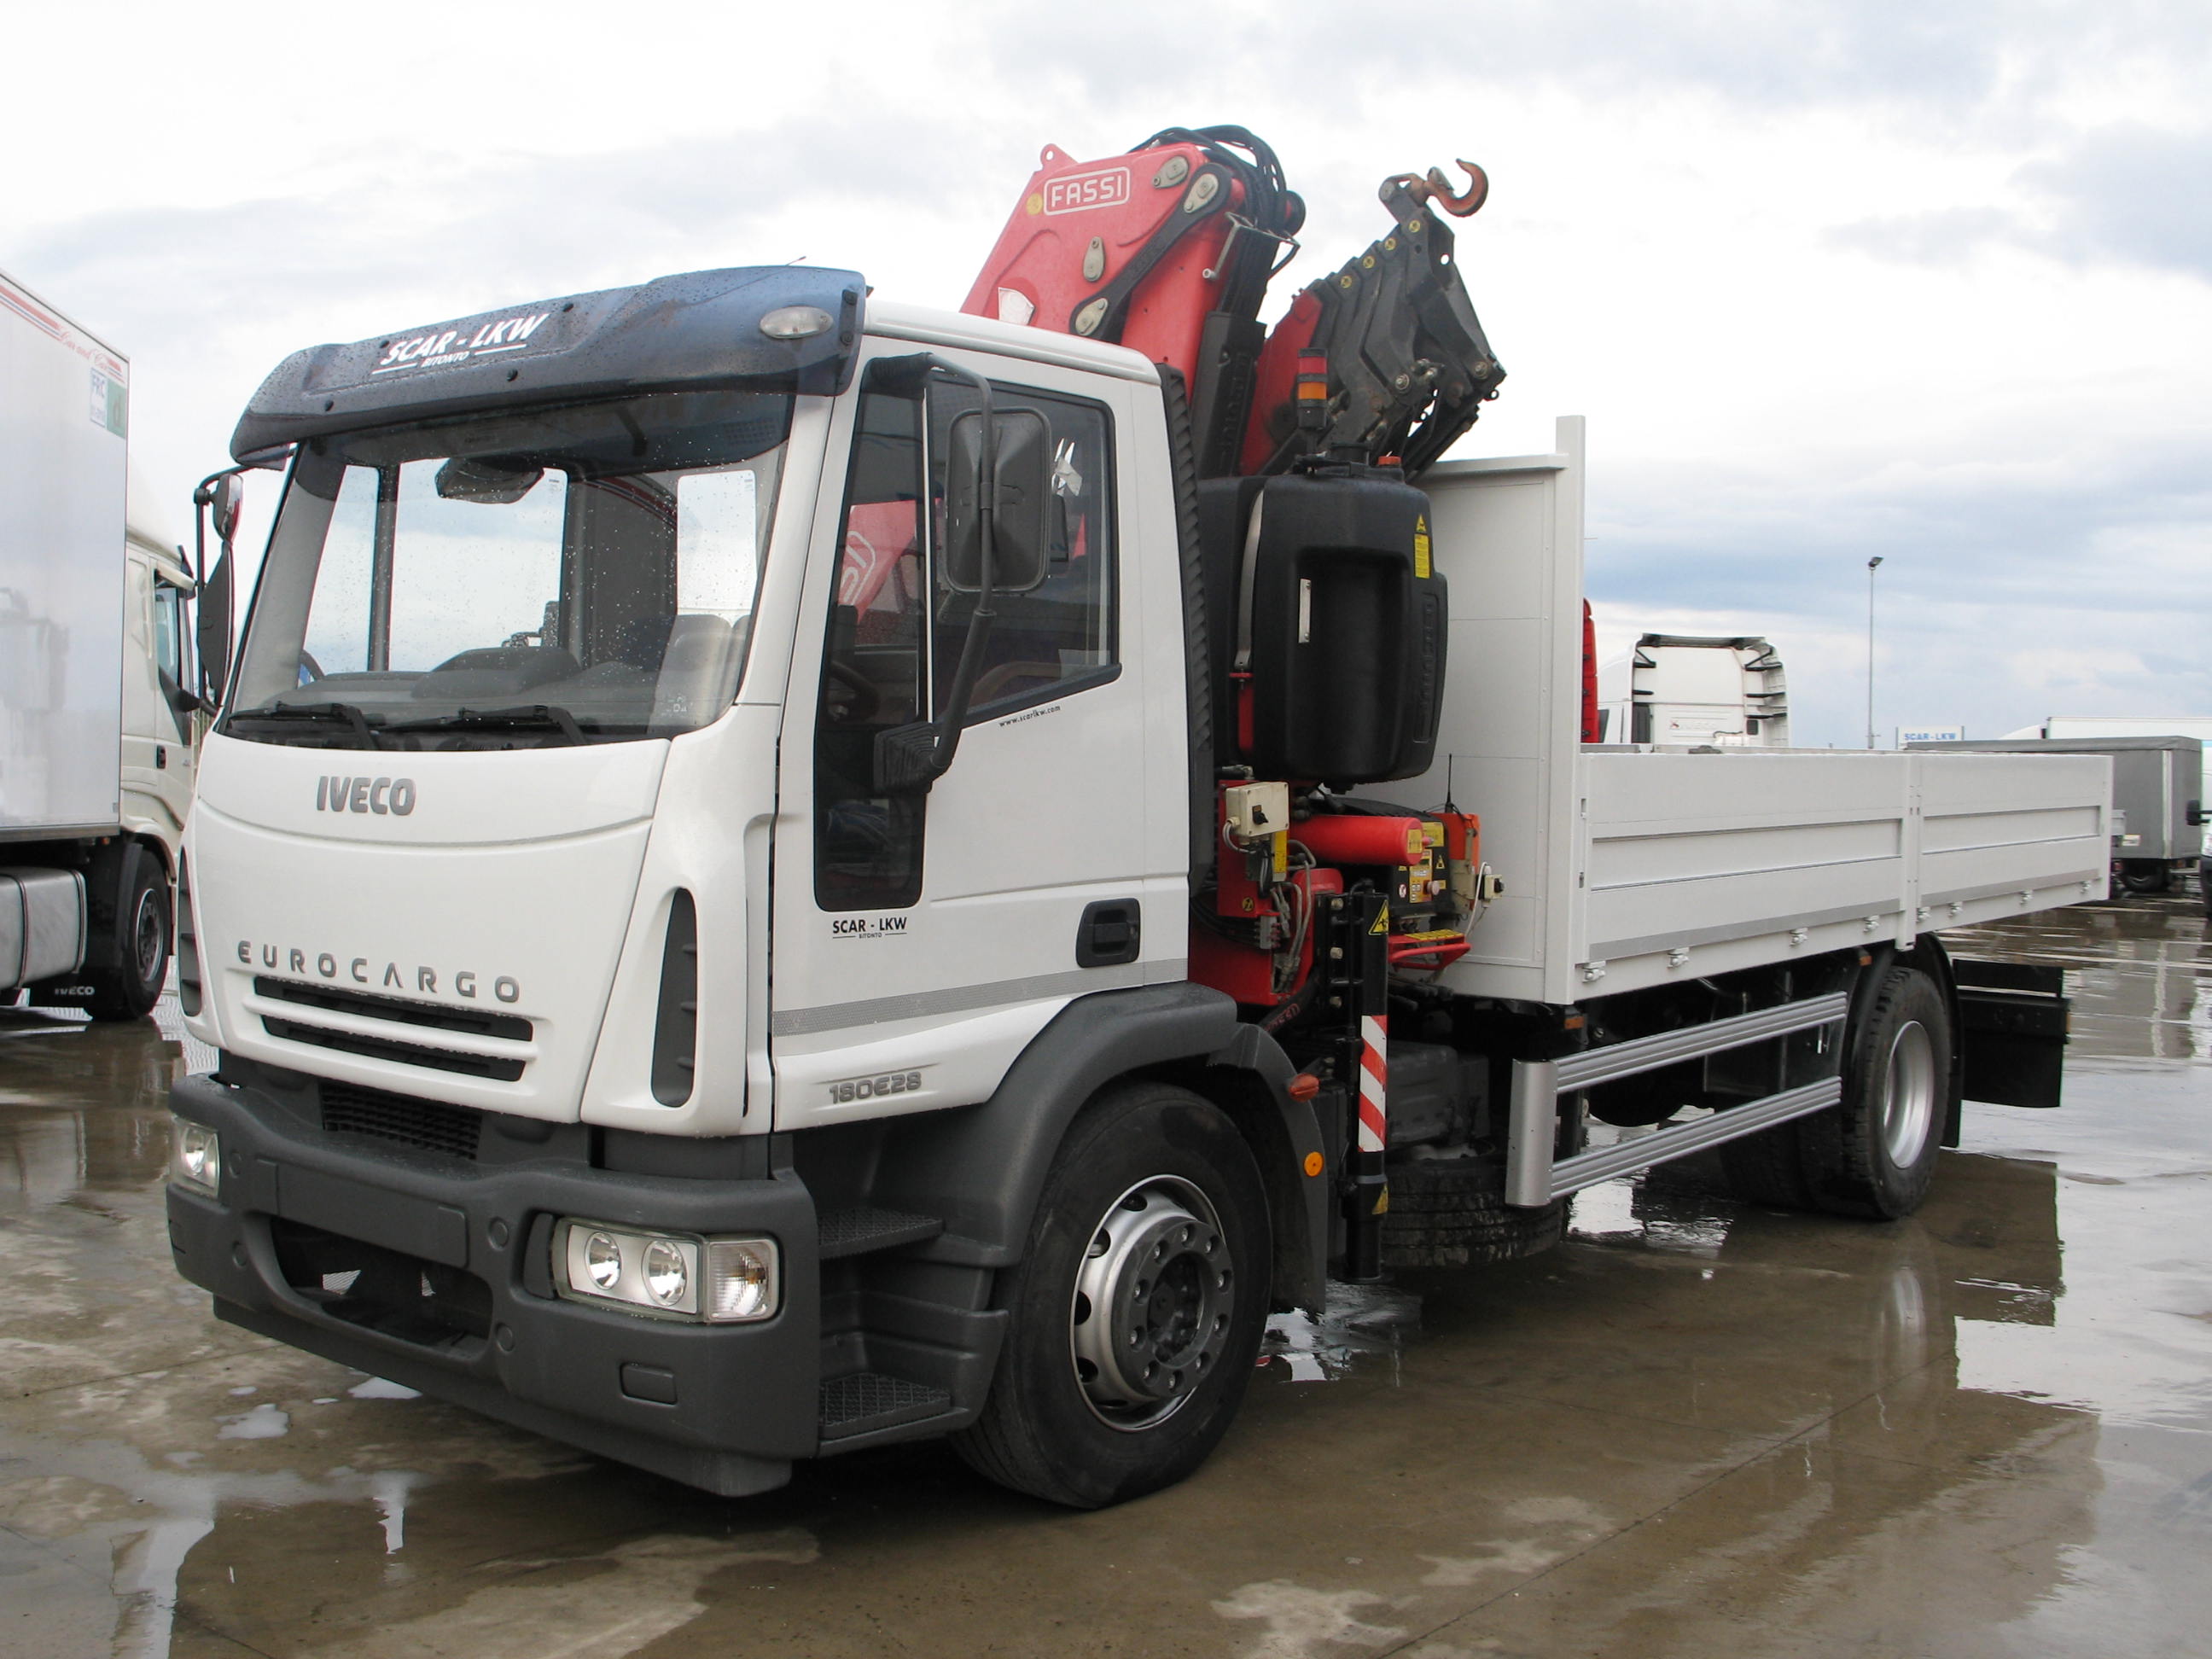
x: 98, y: 691
x: 781, y: 872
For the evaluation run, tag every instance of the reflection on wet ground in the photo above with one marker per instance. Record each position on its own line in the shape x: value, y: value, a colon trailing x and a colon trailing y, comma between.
x: 1696, y: 1428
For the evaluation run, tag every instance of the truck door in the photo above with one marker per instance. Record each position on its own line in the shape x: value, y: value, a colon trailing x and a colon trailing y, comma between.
x: 919, y: 942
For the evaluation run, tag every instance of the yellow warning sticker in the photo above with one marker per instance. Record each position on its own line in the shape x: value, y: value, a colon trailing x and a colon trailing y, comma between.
x: 1421, y: 548
x: 1381, y: 921
x: 1383, y: 1203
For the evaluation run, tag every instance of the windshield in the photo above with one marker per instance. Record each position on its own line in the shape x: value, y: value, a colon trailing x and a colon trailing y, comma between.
x: 572, y: 575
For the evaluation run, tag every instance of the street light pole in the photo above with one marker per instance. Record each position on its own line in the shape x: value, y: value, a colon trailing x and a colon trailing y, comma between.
x: 1871, y: 564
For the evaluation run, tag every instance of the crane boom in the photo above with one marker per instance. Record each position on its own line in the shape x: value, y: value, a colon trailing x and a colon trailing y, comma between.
x: 1169, y: 249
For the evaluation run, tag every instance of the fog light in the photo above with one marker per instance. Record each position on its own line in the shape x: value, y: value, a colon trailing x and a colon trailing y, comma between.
x: 196, y: 1155
x: 741, y: 1279
x: 648, y: 1272
x: 666, y: 1276
x: 602, y: 1261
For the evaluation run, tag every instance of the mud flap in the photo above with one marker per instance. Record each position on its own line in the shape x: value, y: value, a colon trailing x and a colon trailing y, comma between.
x: 2012, y: 1032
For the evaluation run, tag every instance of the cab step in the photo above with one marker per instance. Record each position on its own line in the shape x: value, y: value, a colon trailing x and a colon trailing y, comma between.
x: 864, y: 1401
x: 864, y: 1228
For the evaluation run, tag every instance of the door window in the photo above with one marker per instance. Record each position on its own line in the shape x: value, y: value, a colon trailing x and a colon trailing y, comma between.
x: 896, y: 628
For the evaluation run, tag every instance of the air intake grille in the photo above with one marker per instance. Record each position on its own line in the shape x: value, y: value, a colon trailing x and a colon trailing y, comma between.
x: 437, y: 1016
x: 407, y: 1054
x: 429, y: 1125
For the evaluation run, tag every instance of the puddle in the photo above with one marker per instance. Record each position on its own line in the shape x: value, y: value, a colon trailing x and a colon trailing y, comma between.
x: 378, y: 1388
x: 1360, y: 1321
x: 264, y: 1422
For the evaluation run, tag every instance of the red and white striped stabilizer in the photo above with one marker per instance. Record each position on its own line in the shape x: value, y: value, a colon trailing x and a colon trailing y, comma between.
x: 1374, y: 1082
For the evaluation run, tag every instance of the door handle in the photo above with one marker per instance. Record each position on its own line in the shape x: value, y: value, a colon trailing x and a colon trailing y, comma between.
x: 1110, y: 933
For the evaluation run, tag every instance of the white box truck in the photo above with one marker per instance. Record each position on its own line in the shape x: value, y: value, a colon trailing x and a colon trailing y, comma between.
x: 98, y: 690
x: 782, y: 871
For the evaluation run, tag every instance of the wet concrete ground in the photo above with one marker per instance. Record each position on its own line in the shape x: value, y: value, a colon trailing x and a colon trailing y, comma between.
x: 1697, y: 1429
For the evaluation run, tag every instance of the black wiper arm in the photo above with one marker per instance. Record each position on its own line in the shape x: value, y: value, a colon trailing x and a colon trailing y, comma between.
x: 541, y: 715
x: 343, y: 712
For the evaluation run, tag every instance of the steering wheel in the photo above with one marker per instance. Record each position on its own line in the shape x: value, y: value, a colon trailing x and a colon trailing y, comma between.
x: 310, y: 670
x: 866, y: 695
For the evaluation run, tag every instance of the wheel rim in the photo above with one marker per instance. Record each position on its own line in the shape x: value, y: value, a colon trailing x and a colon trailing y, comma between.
x: 1150, y: 1312
x: 146, y: 941
x: 1908, y: 1106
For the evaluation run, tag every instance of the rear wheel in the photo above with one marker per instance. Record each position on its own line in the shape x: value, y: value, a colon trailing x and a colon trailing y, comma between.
x: 1137, y: 1308
x: 2142, y: 876
x: 131, y: 985
x: 1874, y: 1154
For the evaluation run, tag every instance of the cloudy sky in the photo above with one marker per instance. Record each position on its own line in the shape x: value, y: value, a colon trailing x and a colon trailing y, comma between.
x: 1925, y: 279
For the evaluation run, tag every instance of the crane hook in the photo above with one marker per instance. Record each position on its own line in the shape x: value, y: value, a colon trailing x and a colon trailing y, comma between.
x: 1437, y: 188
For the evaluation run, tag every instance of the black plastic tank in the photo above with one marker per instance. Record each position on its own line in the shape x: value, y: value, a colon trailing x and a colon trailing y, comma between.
x: 1347, y: 624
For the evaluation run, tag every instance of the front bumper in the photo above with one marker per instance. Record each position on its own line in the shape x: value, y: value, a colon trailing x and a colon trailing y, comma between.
x: 726, y: 1407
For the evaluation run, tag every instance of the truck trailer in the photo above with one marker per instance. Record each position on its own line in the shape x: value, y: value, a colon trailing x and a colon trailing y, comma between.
x: 782, y: 871
x: 98, y: 688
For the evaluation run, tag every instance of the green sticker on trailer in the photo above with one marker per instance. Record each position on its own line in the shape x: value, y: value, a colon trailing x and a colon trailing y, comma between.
x: 111, y: 404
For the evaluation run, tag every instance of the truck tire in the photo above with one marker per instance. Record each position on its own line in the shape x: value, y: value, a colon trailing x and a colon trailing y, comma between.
x: 2142, y: 876
x: 1137, y: 1307
x: 1452, y: 1212
x: 1874, y: 1154
x: 141, y: 941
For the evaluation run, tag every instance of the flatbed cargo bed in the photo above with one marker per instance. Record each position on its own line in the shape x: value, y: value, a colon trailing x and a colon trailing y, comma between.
x: 1626, y: 867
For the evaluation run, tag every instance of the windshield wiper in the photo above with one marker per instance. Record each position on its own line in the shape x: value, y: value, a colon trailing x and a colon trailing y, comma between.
x: 541, y: 716
x: 344, y: 713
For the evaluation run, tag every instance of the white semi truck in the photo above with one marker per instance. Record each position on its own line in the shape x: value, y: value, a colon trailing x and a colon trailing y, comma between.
x: 782, y: 872
x: 98, y: 683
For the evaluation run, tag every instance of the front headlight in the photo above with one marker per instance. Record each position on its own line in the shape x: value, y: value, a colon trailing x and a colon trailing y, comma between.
x: 717, y: 1281
x: 195, y: 1155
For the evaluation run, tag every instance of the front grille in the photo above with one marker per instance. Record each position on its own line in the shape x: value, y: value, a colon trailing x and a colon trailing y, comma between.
x: 430, y: 1126
x: 408, y: 1054
x: 474, y: 1022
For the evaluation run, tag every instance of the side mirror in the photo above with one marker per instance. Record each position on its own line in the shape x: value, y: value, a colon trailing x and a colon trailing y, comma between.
x: 226, y: 497
x: 1024, y: 492
x: 212, y: 632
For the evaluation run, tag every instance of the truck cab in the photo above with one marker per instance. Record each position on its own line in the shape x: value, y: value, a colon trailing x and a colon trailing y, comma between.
x: 584, y: 696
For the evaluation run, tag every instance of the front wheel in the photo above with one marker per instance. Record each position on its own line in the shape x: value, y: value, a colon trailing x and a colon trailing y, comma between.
x: 2142, y: 876
x: 130, y: 988
x: 1137, y: 1308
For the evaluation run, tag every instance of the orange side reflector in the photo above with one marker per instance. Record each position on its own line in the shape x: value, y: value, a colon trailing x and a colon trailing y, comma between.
x: 1304, y: 1086
x: 1314, y: 1164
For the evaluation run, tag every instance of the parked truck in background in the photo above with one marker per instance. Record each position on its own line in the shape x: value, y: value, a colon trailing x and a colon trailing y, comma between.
x: 1725, y: 691
x: 98, y: 682
x: 782, y: 872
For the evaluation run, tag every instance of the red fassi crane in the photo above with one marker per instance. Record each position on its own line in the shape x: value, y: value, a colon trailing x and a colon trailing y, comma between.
x: 1324, y: 630
x: 1169, y: 250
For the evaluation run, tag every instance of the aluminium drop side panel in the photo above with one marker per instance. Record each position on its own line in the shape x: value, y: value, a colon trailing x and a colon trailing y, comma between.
x: 63, y: 412
x: 1703, y: 864
x: 2155, y: 781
